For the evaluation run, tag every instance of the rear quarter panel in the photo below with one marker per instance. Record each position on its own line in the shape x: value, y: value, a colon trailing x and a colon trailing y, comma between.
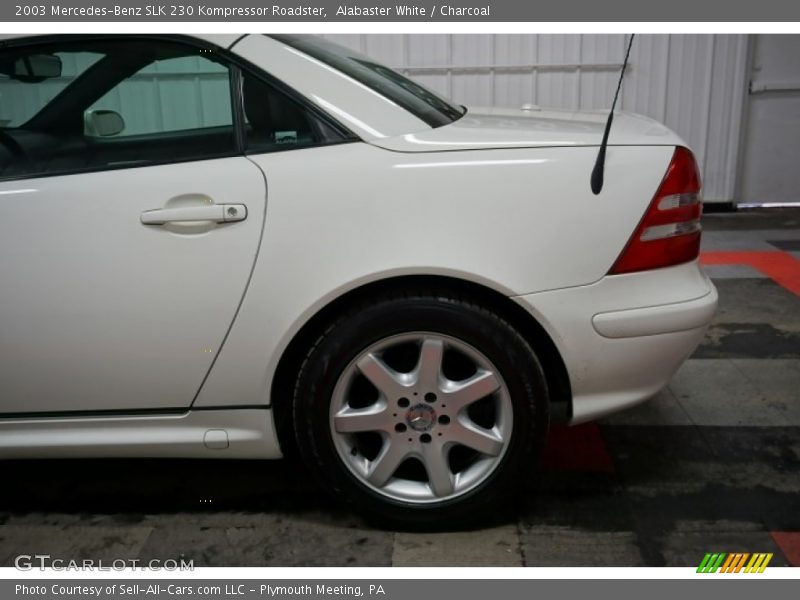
x: 517, y: 220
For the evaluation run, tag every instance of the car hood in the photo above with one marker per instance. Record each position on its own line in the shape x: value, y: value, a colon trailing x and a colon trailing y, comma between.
x: 486, y: 128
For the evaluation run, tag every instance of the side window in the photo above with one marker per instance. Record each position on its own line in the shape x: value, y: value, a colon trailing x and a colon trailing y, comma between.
x: 171, y: 95
x: 22, y: 96
x: 98, y: 104
x: 274, y: 121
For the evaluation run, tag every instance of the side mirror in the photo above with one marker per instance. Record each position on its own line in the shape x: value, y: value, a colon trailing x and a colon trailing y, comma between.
x: 34, y: 68
x: 102, y: 123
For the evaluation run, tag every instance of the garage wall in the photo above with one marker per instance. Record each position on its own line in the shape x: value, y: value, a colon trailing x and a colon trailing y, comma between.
x: 693, y: 83
x: 772, y: 137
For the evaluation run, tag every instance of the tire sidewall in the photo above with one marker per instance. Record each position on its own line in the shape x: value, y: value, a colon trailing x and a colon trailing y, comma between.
x: 488, y: 334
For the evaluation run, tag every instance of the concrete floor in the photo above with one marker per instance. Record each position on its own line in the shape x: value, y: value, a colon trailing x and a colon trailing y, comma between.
x: 711, y: 464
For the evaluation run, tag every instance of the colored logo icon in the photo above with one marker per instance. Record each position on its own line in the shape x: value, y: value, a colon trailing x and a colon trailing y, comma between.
x: 734, y: 563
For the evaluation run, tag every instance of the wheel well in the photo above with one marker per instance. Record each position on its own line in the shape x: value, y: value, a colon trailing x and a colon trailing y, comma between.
x: 289, y: 365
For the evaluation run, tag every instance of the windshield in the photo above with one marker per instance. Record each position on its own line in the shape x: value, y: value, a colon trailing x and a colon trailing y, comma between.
x: 416, y: 99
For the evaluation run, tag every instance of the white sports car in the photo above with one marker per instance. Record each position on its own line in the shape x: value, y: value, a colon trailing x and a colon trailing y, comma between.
x: 238, y: 246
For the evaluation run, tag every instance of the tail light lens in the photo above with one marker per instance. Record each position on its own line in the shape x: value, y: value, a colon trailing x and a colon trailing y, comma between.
x: 669, y: 233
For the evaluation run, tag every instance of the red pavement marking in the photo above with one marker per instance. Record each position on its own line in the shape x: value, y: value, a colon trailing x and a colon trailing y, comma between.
x: 781, y: 267
x: 789, y: 543
x: 579, y: 448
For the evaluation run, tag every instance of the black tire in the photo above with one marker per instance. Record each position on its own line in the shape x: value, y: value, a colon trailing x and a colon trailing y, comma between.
x: 452, y: 316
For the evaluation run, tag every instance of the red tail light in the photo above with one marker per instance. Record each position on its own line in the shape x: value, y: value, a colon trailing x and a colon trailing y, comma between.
x: 669, y: 233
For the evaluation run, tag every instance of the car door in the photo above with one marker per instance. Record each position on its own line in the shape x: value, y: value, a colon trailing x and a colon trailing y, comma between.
x: 131, y: 223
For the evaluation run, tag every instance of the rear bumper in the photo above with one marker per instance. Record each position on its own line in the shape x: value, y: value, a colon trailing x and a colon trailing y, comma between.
x: 623, y: 337
x: 655, y: 320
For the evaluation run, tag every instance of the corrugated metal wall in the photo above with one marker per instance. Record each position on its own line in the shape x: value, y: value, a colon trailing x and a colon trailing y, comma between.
x: 693, y: 83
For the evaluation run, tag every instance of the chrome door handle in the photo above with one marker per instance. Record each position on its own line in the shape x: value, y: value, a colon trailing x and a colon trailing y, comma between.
x: 220, y: 213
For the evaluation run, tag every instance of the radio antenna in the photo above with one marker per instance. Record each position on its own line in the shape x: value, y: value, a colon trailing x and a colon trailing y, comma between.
x: 600, y: 163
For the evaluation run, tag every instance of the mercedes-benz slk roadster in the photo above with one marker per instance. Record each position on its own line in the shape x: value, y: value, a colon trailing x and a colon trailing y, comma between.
x: 246, y: 246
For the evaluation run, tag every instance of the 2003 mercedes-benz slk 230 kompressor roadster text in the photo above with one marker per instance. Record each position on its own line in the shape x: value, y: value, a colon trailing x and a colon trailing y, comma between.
x: 230, y: 246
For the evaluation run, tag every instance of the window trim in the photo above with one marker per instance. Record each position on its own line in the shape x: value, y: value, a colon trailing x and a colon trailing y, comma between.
x: 237, y: 108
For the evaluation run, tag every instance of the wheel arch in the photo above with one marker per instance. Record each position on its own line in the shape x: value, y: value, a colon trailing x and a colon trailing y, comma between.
x: 283, y: 381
